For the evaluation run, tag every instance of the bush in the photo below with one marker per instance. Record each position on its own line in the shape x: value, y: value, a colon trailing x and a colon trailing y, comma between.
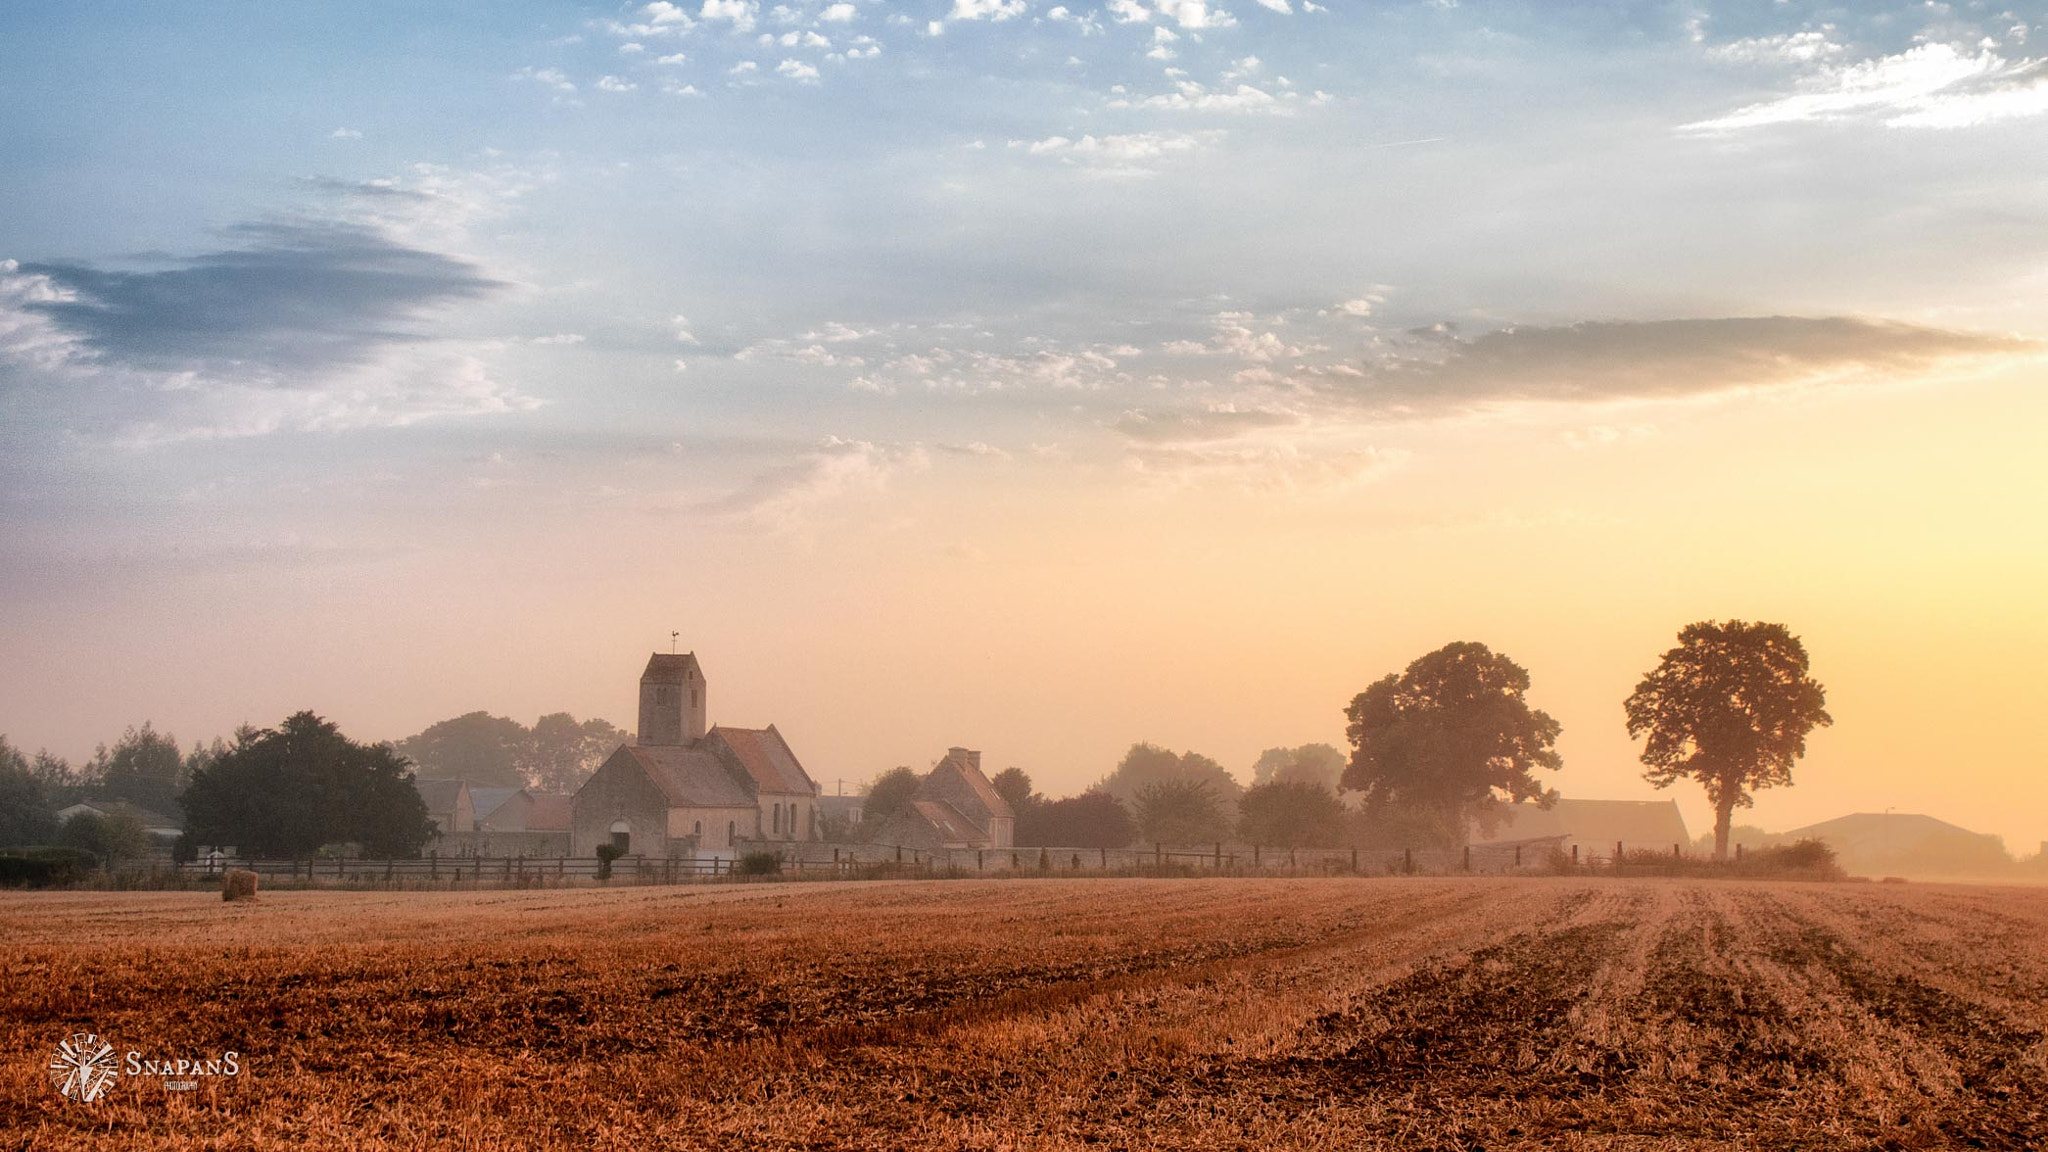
x: 606, y: 853
x: 759, y: 864
x: 1801, y: 860
x: 42, y: 867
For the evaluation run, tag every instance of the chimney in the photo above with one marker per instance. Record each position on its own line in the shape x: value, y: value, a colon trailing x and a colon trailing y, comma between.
x: 966, y: 757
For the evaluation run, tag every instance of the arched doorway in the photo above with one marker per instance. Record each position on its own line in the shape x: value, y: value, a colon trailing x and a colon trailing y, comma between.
x: 622, y: 836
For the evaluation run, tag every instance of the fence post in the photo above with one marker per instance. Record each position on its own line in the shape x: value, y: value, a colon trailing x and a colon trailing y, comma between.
x: 1617, y: 853
x: 1575, y: 855
x: 1354, y: 859
x: 387, y: 871
x: 1468, y: 857
x: 899, y: 853
x: 1518, y: 855
x: 1674, y: 851
x: 1105, y: 859
x: 1738, y: 853
x: 977, y: 859
x: 1158, y: 856
x: 1255, y: 855
x: 1219, y: 856
x: 1408, y: 860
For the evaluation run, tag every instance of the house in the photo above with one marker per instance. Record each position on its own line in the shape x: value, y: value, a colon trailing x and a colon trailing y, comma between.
x: 486, y: 802
x: 1904, y: 844
x: 449, y: 805
x: 1596, y: 826
x: 522, y: 810
x: 684, y: 788
x: 163, y: 831
x: 955, y: 807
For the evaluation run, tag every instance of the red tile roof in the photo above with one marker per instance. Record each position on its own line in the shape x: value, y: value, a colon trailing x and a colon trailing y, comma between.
x: 550, y: 813
x: 767, y: 758
x: 972, y: 776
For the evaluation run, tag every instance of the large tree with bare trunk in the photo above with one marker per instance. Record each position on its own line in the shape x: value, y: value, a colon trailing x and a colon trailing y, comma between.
x: 1729, y: 707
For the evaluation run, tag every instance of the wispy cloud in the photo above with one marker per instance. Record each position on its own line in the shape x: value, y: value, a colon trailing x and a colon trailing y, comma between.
x: 1928, y: 86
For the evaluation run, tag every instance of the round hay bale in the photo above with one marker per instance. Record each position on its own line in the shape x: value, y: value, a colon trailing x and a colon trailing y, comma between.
x: 238, y: 884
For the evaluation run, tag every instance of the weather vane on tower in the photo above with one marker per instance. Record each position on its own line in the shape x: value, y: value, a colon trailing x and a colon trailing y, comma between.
x: 672, y: 642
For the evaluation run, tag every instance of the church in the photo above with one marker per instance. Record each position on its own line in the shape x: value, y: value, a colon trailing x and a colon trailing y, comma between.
x: 685, y: 789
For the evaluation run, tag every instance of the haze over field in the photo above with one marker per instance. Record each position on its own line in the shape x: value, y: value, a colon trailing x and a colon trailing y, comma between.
x: 1037, y: 378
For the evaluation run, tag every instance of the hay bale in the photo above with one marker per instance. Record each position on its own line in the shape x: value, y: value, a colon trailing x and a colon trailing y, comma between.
x: 238, y: 884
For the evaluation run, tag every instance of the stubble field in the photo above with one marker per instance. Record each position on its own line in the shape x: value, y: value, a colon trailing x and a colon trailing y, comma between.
x: 1017, y: 1014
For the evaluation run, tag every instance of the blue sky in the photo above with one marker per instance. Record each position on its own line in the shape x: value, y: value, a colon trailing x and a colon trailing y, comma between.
x: 313, y: 315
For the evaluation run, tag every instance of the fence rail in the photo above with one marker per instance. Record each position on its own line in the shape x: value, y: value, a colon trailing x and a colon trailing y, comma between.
x: 816, y: 860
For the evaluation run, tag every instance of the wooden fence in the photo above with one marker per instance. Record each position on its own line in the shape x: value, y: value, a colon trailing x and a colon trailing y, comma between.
x: 816, y: 860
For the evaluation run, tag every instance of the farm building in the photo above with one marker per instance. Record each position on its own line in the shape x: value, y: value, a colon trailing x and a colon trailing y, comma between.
x: 955, y: 807
x: 162, y: 830
x: 450, y: 805
x: 686, y: 788
x: 1904, y: 843
x: 1594, y: 825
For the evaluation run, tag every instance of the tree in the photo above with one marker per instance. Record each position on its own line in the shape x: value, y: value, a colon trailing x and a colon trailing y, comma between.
x: 562, y: 751
x: 1291, y: 814
x: 890, y: 794
x: 1309, y: 764
x: 1147, y: 764
x: 144, y: 768
x: 1446, y: 742
x: 1181, y: 811
x: 1014, y: 786
x: 116, y: 837
x: 286, y: 791
x: 25, y: 816
x: 1094, y: 819
x: 478, y: 747
x: 1729, y: 707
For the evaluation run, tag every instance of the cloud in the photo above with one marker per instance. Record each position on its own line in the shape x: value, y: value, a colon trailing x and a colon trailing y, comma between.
x: 1927, y: 86
x: 841, y: 13
x: 1277, y: 6
x: 1189, y: 96
x: 551, y: 77
x: 346, y: 134
x: 1658, y: 360
x: 1234, y: 336
x: 297, y: 297
x: 1168, y: 426
x: 559, y: 338
x: 1186, y: 13
x: 986, y: 9
x: 738, y: 13
x: 305, y: 327
x: 798, y: 71
x: 614, y: 84
x: 837, y: 471
x: 1134, y: 154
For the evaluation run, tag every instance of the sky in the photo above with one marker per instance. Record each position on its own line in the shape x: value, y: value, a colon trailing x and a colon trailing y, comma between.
x: 1036, y: 378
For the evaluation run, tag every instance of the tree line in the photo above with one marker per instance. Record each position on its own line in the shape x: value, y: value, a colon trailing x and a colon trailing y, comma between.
x: 1440, y: 750
x: 1445, y: 746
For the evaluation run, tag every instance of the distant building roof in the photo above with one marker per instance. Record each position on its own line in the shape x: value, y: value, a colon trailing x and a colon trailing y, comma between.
x: 767, y: 758
x: 691, y: 777
x: 1645, y: 823
x: 671, y: 668
x: 151, y: 821
x: 441, y: 795
x: 550, y: 813
x: 488, y: 800
x: 965, y: 765
x: 948, y: 821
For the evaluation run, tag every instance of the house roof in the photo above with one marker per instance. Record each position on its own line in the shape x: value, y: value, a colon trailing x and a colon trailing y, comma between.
x: 143, y: 816
x: 970, y: 773
x: 1641, y: 822
x: 767, y: 758
x: 693, y: 776
x: 487, y: 801
x: 550, y: 813
x: 671, y: 668
x: 440, y: 795
x: 1885, y: 832
x: 948, y: 821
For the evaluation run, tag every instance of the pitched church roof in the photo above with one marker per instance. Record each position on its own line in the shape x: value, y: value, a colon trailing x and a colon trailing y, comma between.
x: 695, y: 776
x: 766, y: 757
x: 441, y: 795
x: 487, y: 801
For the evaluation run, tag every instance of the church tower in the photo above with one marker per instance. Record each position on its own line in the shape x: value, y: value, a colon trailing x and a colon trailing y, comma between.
x: 672, y: 700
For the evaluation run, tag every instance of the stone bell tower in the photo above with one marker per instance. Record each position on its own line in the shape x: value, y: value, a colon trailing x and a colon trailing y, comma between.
x: 673, y: 700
